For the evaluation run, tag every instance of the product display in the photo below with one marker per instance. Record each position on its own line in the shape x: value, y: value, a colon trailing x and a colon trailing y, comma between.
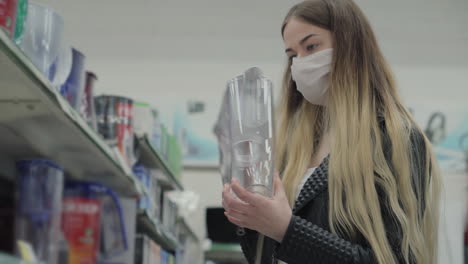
x: 73, y: 88
x: 93, y: 222
x: 144, y: 119
x: 249, y: 120
x: 169, y: 214
x: 60, y: 70
x: 39, y: 207
x: 129, y: 210
x: 115, y: 123
x: 88, y: 107
x: 21, y: 15
x: 52, y: 212
x: 145, y: 202
x: 43, y: 35
x: 174, y: 155
x: 156, y: 137
x: 8, y: 11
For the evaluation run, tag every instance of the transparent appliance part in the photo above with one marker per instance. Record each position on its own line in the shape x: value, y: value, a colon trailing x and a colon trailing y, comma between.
x: 249, y: 127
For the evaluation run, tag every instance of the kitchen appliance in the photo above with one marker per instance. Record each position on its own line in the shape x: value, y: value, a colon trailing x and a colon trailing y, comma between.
x: 39, y: 206
x: 88, y: 107
x: 246, y: 130
x: 115, y: 123
x: 73, y: 88
x: 61, y: 68
x: 43, y: 35
x: 93, y: 222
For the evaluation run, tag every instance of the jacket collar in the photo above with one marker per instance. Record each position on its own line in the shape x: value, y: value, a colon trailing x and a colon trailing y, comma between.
x: 314, y: 185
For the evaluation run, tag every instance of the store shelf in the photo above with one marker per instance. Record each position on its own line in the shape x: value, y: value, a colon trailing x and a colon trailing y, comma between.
x: 225, y: 253
x: 36, y: 122
x: 187, y: 229
x: 156, y: 231
x: 151, y: 158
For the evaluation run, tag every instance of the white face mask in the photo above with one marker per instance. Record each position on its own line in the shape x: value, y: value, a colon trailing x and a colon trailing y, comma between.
x: 311, y: 74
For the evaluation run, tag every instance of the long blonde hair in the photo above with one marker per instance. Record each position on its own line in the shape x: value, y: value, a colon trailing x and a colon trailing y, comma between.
x: 362, y: 90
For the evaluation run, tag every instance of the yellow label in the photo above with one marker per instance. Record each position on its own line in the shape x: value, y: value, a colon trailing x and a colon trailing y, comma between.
x: 27, y: 252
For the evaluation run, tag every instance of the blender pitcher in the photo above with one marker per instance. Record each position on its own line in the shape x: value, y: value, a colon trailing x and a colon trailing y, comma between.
x: 251, y: 131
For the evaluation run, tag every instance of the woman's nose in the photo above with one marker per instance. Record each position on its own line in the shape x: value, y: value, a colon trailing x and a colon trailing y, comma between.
x: 301, y: 54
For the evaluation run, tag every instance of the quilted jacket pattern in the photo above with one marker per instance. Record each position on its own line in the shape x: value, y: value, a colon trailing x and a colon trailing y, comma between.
x: 309, y: 239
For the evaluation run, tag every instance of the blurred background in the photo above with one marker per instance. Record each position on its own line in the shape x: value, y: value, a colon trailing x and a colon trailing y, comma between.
x: 178, y: 55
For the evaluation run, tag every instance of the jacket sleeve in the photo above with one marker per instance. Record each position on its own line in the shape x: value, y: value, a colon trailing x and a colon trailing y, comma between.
x: 305, y: 242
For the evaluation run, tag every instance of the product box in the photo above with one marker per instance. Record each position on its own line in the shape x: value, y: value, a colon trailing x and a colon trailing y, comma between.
x: 164, y: 142
x: 143, y: 119
x: 164, y: 257
x: 159, y: 176
x: 170, y: 212
x: 81, y: 225
x: 147, y: 202
x: 8, y: 11
x: 171, y: 259
x: 157, y: 130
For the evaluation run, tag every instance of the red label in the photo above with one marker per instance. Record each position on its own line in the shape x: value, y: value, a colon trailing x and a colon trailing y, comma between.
x: 81, y: 227
x: 124, y: 130
x: 8, y: 15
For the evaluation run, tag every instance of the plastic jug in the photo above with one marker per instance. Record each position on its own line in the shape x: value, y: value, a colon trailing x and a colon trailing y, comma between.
x: 40, y: 188
x: 92, y: 222
x: 245, y: 131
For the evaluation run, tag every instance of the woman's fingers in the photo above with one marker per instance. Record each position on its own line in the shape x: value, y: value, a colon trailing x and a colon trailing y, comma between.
x: 238, y: 215
x: 244, y: 195
x: 234, y: 220
x: 230, y: 202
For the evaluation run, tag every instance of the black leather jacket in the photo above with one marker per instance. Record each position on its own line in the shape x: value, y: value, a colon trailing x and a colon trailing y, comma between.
x: 308, y: 238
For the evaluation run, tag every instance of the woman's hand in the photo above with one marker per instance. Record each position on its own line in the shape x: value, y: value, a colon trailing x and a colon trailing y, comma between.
x: 268, y: 216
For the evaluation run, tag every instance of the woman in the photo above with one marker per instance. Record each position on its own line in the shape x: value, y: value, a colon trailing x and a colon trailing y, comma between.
x: 359, y: 180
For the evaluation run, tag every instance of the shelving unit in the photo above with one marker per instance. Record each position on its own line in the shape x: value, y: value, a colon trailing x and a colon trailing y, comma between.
x: 156, y: 231
x: 151, y: 158
x: 188, y: 229
x: 36, y: 122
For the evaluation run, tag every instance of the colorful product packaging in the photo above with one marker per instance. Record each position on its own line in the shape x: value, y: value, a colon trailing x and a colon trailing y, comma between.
x: 93, y: 222
x: 8, y: 10
x: 115, y: 123
x: 81, y: 224
x: 21, y: 15
x: 144, y: 119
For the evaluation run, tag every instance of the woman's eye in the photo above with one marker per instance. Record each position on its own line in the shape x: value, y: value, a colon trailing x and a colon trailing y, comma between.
x: 311, y: 47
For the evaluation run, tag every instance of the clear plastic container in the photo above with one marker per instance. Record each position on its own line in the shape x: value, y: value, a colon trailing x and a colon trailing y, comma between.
x: 39, y: 207
x: 74, y: 86
x: 251, y: 132
x: 43, y: 35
